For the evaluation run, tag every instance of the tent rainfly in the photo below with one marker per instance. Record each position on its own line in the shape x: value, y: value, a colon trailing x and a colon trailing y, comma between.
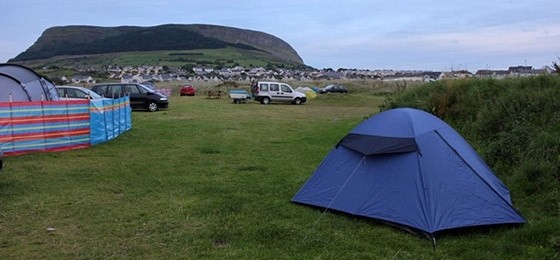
x: 407, y: 167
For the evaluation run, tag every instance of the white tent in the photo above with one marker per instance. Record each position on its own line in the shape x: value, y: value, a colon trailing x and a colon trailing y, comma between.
x: 18, y: 83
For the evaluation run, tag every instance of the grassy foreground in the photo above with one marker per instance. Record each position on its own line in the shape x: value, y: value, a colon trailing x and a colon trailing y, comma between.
x: 211, y: 179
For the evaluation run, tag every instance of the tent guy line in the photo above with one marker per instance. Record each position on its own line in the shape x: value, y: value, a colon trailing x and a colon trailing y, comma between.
x: 327, y: 208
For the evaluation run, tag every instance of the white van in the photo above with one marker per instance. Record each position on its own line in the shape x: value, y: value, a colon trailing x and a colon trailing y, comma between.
x: 271, y: 91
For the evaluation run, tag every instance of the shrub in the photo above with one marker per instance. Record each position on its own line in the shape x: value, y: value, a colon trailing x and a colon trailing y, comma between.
x: 513, y: 124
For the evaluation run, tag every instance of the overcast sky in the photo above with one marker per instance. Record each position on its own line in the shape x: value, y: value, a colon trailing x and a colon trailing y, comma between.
x: 391, y: 34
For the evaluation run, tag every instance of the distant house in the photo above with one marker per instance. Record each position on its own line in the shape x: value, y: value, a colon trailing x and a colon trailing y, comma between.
x: 461, y: 74
x: 146, y: 77
x: 167, y: 77
x: 500, y: 74
x: 76, y: 79
x: 517, y: 71
x: 526, y: 71
x: 127, y: 78
x: 115, y: 69
x: 237, y: 69
x: 495, y: 74
x: 405, y: 76
x: 484, y: 73
x: 520, y: 69
x: 431, y: 75
x: 332, y: 75
x: 544, y: 70
x: 203, y: 70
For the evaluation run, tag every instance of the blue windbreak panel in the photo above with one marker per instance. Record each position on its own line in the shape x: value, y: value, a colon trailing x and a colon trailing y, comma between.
x: 109, y: 119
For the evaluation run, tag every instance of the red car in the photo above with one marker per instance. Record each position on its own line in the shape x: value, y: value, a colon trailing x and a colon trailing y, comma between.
x: 187, y: 90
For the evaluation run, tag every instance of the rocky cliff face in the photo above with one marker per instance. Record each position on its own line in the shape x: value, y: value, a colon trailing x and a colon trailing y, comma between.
x: 79, y: 40
x: 259, y: 40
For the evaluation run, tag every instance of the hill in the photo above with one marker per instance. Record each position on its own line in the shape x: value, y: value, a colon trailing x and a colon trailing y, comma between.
x: 69, y: 41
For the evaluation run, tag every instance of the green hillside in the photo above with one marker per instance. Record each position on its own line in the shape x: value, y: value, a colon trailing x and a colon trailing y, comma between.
x: 226, y: 57
x: 161, y: 45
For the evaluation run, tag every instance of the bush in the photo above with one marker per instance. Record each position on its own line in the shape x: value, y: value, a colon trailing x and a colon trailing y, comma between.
x: 513, y: 124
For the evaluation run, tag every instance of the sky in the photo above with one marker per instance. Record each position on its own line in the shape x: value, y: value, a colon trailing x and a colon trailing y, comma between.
x: 353, y: 34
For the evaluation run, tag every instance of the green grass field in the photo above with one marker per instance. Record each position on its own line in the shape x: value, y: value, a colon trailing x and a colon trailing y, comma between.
x: 211, y: 179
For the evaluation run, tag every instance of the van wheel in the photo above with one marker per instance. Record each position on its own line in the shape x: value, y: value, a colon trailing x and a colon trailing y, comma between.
x: 297, y: 101
x: 152, y: 106
x: 265, y: 100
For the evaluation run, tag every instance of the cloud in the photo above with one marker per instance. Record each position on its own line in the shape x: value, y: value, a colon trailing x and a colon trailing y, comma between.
x: 329, y: 33
x: 444, y: 48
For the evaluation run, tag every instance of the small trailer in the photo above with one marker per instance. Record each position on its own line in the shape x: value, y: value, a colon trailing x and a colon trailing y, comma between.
x: 239, y: 96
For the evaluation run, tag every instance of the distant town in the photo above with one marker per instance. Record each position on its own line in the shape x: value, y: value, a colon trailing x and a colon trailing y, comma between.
x: 129, y: 74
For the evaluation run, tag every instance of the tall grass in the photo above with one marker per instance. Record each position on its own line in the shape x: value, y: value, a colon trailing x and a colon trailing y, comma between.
x: 515, y: 125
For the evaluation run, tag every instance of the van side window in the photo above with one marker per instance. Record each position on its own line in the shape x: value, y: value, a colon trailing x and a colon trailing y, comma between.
x: 285, y: 88
x: 274, y: 87
x: 101, y: 90
x: 263, y: 86
x: 114, y: 91
x: 132, y: 89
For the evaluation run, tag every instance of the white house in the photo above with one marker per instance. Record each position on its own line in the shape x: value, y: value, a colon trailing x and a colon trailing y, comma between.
x: 82, y: 79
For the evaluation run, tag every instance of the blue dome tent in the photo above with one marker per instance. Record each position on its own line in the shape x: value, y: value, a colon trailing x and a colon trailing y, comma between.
x: 407, y: 167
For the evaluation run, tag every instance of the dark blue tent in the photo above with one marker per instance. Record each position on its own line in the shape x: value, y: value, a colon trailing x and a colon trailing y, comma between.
x: 408, y: 167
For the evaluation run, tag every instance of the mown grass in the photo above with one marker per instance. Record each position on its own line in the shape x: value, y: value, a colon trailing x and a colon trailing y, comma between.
x: 211, y: 179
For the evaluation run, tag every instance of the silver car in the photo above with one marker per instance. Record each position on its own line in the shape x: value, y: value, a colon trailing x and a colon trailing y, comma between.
x: 74, y: 92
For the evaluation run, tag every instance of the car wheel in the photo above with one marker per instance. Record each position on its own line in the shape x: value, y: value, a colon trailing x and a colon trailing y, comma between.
x: 152, y: 106
x: 297, y: 101
x: 236, y: 101
x: 265, y: 101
